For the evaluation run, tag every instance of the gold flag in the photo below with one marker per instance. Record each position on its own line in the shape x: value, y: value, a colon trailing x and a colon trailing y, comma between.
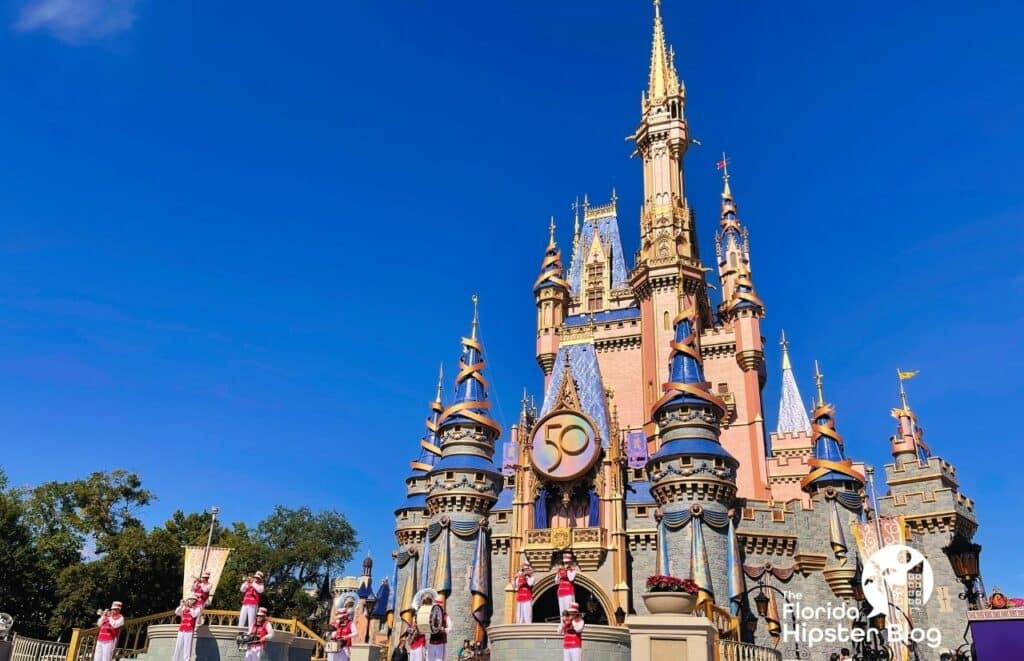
x: 215, y: 562
x: 907, y: 375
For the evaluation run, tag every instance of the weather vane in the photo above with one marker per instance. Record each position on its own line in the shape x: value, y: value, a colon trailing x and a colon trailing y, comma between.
x: 723, y: 165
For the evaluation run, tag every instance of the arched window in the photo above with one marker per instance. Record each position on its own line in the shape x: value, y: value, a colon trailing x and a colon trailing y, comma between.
x: 668, y: 321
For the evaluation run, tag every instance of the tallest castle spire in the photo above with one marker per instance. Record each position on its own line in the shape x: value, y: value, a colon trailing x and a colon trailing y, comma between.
x: 663, y: 78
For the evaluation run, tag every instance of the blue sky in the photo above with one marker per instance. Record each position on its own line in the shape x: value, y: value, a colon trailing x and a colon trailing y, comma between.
x: 236, y: 240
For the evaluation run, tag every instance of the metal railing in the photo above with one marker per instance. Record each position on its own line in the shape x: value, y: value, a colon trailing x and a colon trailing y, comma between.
x: 733, y: 650
x: 30, y: 649
x: 135, y: 641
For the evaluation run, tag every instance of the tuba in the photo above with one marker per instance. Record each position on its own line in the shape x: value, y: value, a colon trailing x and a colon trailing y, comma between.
x: 6, y: 624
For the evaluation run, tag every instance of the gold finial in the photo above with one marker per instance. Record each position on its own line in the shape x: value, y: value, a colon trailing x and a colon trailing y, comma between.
x: 576, y: 218
x: 902, y: 376
x: 524, y: 409
x: 615, y: 196
x: 551, y: 233
x: 817, y: 382
x: 586, y: 203
x: 786, y: 365
x: 476, y: 316
x: 440, y: 380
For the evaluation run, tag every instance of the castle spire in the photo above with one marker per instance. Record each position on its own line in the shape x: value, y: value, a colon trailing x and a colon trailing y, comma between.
x: 829, y: 465
x: 909, y: 438
x: 430, y: 445
x: 733, y: 247
x: 470, y: 402
x: 552, y: 274
x: 792, y: 416
x: 662, y: 81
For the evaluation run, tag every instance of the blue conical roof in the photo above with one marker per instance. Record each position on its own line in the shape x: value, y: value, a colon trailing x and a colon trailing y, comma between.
x: 829, y: 464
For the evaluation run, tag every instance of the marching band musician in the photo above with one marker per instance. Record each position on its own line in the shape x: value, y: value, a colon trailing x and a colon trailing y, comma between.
x: 417, y: 641
x: 264, y: 632
x: 188, y: 611
x: 110, y: 624
x: 343, y: 632
x: 524, y: 594
x: 202, y: 588
x: 571, y: 629
x: 252, y: 588
x: 566, y: 578
x: 438, y: 642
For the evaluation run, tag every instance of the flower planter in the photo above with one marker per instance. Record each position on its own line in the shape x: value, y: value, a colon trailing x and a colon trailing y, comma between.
x: 680, y: 603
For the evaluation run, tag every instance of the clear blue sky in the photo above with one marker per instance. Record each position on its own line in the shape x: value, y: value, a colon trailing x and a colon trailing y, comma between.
x: 236, y: 239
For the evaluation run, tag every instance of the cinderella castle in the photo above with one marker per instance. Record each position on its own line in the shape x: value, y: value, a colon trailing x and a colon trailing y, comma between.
x: 650, y: 453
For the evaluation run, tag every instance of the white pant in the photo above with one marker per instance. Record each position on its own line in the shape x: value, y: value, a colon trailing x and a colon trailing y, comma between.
x: 183, y: 646
x: 435, y: 652
x: 564, y: 602
x: 572, y: 655
x: 524, y: 612
x: 418, y: 654
x: 343, y: 655
x: 104, y: 650
x: 254, y: 653
x: 246, y: 616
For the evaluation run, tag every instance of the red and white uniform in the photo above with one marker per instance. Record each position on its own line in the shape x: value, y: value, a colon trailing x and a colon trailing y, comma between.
x: 438, y: 642
x: 106, y: 640
x: 251, y: 591
x: 183, y: 643
x: 417, y: 644
x: 566, y: 588
x: 265, y: 632
x: 572, y: 639
x: 524, y: 599
x: 201, y: 589
x: 343, y: 632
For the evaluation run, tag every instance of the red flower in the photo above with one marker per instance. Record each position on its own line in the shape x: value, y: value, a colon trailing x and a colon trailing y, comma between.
x: 659, y: 583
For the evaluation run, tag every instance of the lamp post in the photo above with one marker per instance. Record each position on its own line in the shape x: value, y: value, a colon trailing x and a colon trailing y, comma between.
x: 964, y: 556
x: 371, y: 601
x: 761, y: 602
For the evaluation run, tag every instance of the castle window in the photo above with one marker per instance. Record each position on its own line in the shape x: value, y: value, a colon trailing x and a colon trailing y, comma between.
x: 723, y: 388
x: 641, y: 511
x: 686, y: 461
x: 718, y: 463
x: 778, y: 515
x: 668, y: 322
x: 449, y: 476
x: 595, y: 286
x: 638, y: 474
x: 502, y: 517
x: 405, y: 515
x: 479, y: 477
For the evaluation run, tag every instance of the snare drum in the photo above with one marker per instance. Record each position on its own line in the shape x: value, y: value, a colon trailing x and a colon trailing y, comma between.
x: 430, y: 618
x: 332, y: 646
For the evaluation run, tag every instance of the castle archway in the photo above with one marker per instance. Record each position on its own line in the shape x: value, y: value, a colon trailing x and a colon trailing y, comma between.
x: 595, y: 604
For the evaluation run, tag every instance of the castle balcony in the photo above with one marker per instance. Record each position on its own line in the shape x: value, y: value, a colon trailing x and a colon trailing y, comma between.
x: 586, y: 544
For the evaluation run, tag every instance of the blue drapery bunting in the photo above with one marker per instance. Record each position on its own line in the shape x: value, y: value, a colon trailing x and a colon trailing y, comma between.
x: 735, y: 570
x: 540, y: 509
x: 480, y: 581
x: 594, y: 514
x: 663, y: 548
x: 699, y: 566
x: 443, y: 574
x: 835, y: 533
x: 394, y: 588
x: 425, y: 564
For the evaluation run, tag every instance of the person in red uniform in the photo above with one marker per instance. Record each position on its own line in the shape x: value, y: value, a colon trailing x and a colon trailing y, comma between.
x: 437, y: 643
x: 344, y: 632
x: 188, y: 611
x: 202, y: 589
x: 251, y: 590
x: 264, y: 632
x: 566, y: 588
x: 110, y: 624
x: 524, y: 594
x: 571, y: 630
x: 417, y: 642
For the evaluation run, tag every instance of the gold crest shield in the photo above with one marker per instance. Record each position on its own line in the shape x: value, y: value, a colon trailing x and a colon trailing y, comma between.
x: 560, y: 538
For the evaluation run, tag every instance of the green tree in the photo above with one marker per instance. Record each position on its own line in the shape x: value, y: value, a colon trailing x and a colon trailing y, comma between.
x: 23, y: 583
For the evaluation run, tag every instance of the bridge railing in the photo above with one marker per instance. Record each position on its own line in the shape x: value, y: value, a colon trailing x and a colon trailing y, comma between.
x: 30, y: 649
x: 134, y: 635
x: 734, y: 650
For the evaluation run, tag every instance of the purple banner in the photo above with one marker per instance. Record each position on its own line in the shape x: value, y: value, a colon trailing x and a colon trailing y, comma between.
x: 509, y: 455
x: 636, y: 448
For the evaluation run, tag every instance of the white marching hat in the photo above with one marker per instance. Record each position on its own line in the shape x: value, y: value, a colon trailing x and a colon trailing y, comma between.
x: 116, y: 606
x: 205, y: 574
x: 262, y: 612
x: 192, y: 597
x: 258, y: 574
x: 573, y: 608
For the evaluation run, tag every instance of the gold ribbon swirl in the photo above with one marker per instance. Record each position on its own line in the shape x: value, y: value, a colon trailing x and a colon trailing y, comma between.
x: 473, y: 371
x: 554, y: 276
x: 823, y: 466
x: 743, y: 280
x: 688, y: 346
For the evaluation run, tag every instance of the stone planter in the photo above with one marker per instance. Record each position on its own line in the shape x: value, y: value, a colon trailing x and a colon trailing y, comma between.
x: 660, y: 603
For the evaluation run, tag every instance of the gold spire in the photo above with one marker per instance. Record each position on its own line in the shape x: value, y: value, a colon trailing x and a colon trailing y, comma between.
x: 786, y: 365
x: 723, y: 165
x: 440, y: 380
x: 551, y: 233
x: 524, y: 409
x: 576, y: 219
x: 663, y: 81
x: 817, y: 382
x: 476, y: 317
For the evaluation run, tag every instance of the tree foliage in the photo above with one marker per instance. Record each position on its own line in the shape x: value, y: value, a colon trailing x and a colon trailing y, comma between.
x: 73, y: 547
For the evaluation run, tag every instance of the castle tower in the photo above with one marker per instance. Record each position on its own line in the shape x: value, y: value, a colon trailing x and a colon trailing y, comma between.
x: 551, y: 293
x: 693, y: 478
x: 668, y: 258
x: 791, y: 443
x: 464, y: 486
x: 410, y: 518
x: 908, y: 443
x: 740, y: 313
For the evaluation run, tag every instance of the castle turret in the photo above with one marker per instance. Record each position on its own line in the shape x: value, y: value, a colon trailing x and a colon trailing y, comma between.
x: 410, y: 517
x: 551, y: 293
x: 791, y: 443
x: 693, y: 478
x: 464, y: 485
x: 908, y: 443
x: 829, y: 465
